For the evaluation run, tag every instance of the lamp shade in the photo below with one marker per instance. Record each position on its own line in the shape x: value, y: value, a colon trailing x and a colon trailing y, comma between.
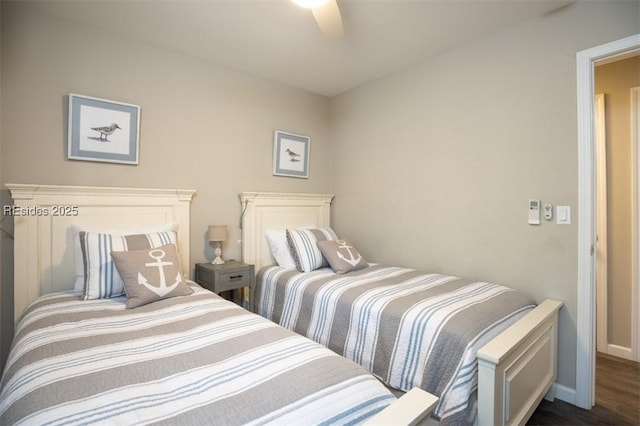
x: 217, y: 233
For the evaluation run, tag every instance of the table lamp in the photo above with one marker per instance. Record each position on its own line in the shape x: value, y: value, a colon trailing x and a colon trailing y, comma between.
x: 217, y: 234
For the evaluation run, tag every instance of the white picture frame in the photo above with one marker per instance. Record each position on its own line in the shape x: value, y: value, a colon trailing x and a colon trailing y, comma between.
x: 291, y: 154
x: 103, y: 130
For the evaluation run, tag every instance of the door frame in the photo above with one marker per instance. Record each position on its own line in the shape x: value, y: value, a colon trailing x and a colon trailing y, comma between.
x: 602, y: 310
x: 586, y: 297
x: 635, y: 292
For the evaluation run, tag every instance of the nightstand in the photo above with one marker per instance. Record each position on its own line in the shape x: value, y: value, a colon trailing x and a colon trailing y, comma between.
x: 227, y: 277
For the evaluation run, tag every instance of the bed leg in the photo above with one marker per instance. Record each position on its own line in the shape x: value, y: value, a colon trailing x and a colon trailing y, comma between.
x: 551, y: 393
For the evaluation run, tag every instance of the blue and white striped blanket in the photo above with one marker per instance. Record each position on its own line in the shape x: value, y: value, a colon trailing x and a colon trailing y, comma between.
x: 190, y: 360
x: 404, y: 326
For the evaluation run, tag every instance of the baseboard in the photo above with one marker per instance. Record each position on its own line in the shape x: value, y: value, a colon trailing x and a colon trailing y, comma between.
x: 568, y: 394
x: 565, y: 393
x: 619, y: 351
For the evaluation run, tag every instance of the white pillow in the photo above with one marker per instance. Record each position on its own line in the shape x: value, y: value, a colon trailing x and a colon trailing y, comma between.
x: 279, y: 248
x: 77, y: 250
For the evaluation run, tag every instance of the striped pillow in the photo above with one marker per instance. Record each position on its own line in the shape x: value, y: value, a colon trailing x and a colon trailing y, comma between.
x: 77, y: 251
x: 101, y: 277
x: 304, y: 247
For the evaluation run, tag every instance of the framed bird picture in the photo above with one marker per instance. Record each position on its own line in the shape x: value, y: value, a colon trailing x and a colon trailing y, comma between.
x: 291, y: 155
x: 103, y: 130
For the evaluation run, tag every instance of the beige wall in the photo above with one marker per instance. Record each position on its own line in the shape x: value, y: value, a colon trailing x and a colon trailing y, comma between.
x: 434, y: 166
x: 615, y: 80
x: 203, y: 126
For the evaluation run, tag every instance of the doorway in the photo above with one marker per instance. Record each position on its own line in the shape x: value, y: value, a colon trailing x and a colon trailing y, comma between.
x: 586, y: 347
x: 616, y: 206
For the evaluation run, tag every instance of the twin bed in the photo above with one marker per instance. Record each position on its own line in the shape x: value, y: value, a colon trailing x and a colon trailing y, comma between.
x: 197, y: 359
x: 487, y: 351
x: 188, y: 359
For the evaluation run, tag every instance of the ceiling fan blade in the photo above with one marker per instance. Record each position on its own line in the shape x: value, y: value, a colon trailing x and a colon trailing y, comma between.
x: 329, y: 20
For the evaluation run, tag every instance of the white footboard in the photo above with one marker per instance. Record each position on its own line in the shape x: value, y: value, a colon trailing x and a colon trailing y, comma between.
x: 412, y: 408
x: 517, y: 368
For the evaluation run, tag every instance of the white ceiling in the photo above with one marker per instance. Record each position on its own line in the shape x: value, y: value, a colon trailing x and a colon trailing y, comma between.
x: 280, y: 41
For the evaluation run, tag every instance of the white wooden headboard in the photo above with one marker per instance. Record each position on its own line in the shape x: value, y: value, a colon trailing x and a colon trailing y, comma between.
x: 43, y: 244
x: 277, y: 211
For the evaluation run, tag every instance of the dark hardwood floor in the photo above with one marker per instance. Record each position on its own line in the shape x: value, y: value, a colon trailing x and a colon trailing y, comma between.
x: 617, y: 398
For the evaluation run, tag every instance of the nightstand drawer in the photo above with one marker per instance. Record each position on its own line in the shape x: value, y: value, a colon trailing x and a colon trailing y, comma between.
x: 233, y: 280
x: 226, y: 278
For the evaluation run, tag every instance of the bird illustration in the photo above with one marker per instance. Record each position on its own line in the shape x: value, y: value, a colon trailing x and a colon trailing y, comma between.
x: 292, y: 155
x: 106, y: 130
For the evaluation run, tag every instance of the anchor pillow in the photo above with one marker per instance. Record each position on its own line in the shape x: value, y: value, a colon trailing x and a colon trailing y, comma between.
x: 342, y: 256
x: 101, y: 278
x: 151, y: 274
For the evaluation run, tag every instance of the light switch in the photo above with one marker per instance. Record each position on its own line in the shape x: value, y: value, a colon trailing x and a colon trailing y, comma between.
x: 563, y: 215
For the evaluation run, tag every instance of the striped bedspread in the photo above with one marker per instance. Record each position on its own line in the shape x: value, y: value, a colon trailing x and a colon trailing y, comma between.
x: 192, y: 360
x: 406, y: 327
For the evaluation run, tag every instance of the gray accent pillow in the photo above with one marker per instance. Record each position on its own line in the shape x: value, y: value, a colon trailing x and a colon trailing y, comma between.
x: 151, y: 274
x: 342, y: 256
